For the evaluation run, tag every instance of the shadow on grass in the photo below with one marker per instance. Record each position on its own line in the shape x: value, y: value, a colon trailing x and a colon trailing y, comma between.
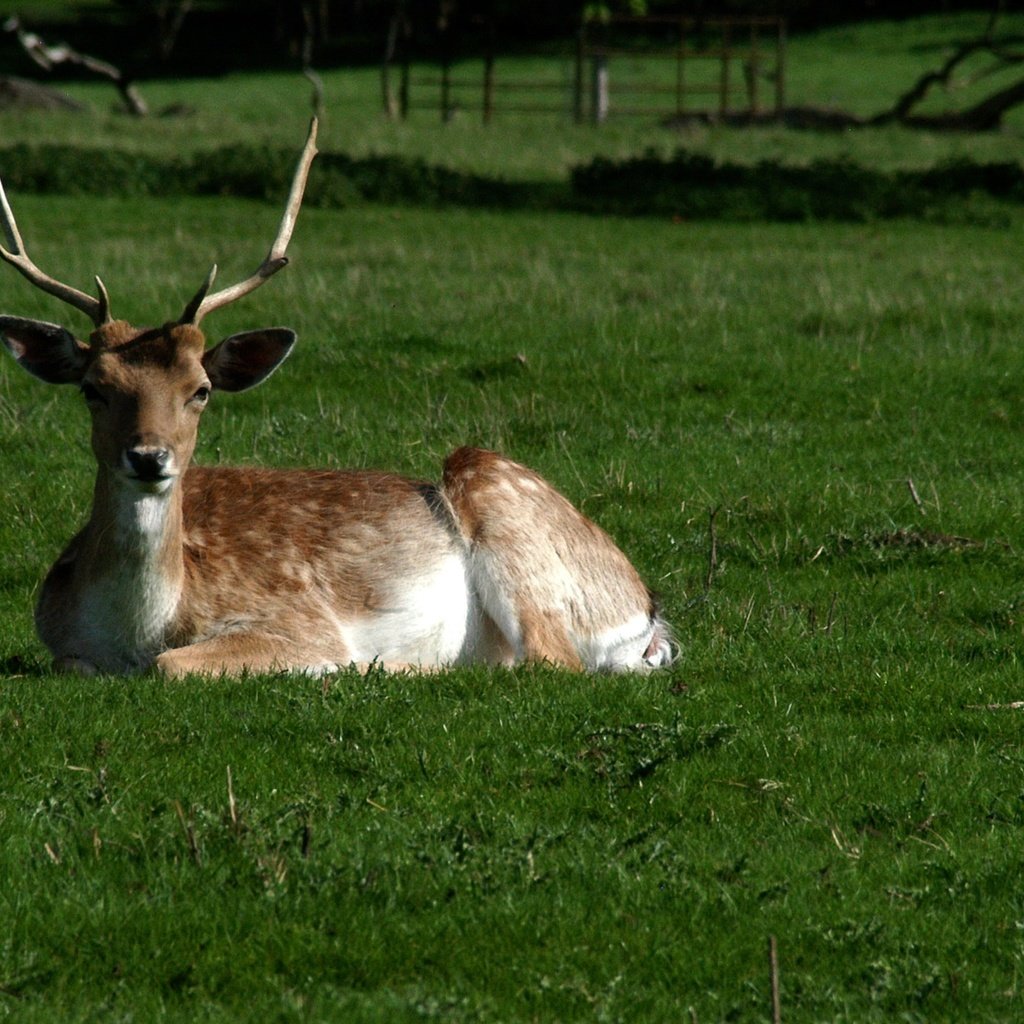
x: 685, y: 186
x: 19, y: 666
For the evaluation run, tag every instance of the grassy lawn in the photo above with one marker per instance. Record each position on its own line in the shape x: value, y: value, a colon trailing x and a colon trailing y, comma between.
x: 531, y: 845
x: 822, y: 765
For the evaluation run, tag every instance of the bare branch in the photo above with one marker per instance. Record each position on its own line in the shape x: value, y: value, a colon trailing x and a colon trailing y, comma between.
x: 913, y: 96
x: 988, y: 113
x: 989, y: 110
x: 276, y: 258
x: 170, y: 18
x: 47, y: 56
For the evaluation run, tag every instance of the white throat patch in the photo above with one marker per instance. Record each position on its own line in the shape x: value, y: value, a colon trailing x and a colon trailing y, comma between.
x: 125, y: 612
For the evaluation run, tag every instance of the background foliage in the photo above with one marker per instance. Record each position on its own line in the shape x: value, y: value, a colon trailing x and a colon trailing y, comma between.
x: 215, y: 36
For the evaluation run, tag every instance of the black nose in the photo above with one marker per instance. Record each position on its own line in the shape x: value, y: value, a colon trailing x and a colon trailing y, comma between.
x: 148, y: 464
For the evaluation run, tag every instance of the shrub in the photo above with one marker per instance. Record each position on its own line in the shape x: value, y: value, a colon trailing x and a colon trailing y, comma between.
x: 695, y: 187
x: 687, y: 185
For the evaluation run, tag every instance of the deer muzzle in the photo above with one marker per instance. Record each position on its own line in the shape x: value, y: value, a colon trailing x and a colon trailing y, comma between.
x: 149, y: 463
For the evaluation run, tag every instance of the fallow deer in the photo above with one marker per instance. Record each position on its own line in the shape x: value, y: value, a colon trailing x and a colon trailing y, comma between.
x: 214, y: 570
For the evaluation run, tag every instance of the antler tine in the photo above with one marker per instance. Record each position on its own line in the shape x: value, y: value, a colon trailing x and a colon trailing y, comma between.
x: 98, y: 310
x: 103, y: 312
x: 192, y: 309
x: 276, y: 258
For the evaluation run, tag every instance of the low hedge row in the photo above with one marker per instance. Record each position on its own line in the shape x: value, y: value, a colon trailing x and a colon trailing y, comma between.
x: 687, y: 185
x: 251, y: 172
x: 694, y: 186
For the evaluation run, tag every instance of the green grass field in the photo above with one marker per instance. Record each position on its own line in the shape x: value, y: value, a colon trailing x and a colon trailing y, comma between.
x: 833, y: 760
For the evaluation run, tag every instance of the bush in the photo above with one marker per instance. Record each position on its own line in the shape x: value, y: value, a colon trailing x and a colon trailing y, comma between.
x: 688, y: 185
x: 695, y: 187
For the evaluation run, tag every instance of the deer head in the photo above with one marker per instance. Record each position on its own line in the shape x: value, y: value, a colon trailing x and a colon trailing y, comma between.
x: 146, y: 388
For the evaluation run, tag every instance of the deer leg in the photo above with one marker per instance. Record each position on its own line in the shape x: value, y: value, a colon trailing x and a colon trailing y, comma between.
x: 544, y: 636
x: 556, y: 585
x: 527, y: 618
x: 235, y: 653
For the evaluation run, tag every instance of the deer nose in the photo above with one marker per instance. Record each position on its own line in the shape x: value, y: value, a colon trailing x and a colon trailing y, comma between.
x: 148, y: 463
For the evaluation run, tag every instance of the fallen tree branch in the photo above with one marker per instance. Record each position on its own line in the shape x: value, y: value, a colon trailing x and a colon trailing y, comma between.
x: 47, y: 57
x: 985, y: 115
x: 901, y: 109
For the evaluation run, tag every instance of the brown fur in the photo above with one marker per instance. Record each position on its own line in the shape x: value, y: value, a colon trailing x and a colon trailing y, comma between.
x: 266, y: 543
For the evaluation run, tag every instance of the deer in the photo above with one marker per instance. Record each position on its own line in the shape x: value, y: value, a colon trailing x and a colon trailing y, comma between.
x: 215, y: 571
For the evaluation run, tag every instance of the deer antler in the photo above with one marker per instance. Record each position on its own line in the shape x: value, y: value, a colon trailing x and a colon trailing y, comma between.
x: 98, y: 310
x: 201, y: 303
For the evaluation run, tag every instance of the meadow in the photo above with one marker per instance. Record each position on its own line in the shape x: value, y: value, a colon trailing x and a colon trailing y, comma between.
x: 809, y: 439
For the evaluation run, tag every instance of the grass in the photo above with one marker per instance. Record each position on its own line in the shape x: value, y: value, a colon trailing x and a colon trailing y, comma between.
x: 822, y: 764
x: 497, y: 849
x: 814, y: 767
x: 861, y: 68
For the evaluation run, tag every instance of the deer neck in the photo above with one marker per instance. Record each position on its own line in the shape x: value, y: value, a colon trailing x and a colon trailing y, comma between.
x: 135, y: 532
x: 127, y: 577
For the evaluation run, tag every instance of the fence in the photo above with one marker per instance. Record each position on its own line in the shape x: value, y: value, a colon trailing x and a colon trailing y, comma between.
x: 625, y: 66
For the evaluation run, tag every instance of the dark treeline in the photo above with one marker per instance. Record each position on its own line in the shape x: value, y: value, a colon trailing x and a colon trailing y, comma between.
x: 162, y: 37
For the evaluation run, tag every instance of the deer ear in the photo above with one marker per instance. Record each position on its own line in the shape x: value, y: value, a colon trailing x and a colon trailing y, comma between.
x: 47, y: 351
x: 243, y: 360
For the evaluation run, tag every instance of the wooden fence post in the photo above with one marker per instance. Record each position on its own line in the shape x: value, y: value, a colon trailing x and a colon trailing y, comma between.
x: 577, y: 85
x: 488, y: 98
x: 753, y: 70
x: 780, y: 70
x: 599, y: 88
x: 723, y: 86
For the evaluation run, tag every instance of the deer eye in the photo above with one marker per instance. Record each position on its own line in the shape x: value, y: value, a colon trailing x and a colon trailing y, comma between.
x: 91, y: 394
x: 202, y: 395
